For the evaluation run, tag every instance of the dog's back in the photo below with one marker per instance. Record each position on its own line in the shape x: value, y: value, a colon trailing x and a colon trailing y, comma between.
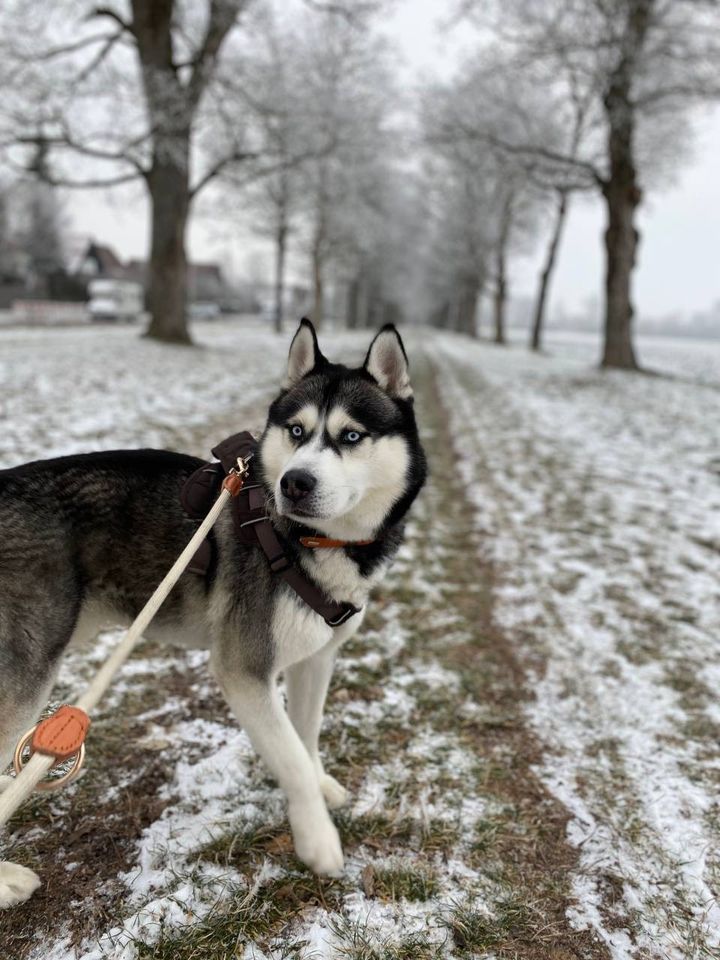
x: 98, y: 528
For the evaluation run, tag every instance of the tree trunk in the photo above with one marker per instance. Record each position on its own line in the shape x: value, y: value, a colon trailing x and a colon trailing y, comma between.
x: 168, y: 273
x: 373, y: 301
x: 318, y: 289
x: 550, y: 258
x: 467, y: 307
x: 170, y: 112
x: 499, y: 301
x: 353, y: 303
x: 280, y: 250
x: 500, y: 298
x: 621, y: 241
x: 622, y: 193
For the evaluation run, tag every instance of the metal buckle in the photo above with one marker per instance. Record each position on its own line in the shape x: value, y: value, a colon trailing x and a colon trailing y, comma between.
x: 242, y: 465
x: 249, y: 523
x: 57, y: 782
x: 344, y: 617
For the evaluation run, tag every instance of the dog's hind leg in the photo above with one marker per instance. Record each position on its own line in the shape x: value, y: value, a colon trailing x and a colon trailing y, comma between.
x: 307, y: 684
x: 27, y: 672
x: 258, y: 707
x: 20, y: 710
x: 17, y: 714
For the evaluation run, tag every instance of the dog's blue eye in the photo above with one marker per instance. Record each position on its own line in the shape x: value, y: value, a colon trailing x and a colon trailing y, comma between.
x: 351, y: 436
x: 296, y: 431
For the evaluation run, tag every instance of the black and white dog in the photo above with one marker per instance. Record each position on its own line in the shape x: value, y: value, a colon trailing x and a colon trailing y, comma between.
x: 85, y: 539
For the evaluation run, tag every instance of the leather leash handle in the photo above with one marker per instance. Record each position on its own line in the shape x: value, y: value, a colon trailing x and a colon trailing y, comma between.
x: 60, y: 736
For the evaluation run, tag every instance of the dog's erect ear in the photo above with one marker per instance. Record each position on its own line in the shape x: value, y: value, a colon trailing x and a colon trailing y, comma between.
x: 387, y: 363
x: 304, y: 353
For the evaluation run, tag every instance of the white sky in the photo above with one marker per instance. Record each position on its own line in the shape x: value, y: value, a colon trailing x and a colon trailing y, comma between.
x: 679, y: 262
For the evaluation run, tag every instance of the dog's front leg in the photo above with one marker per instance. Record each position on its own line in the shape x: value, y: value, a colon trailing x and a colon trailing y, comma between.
x: 258, y: 707
x: 307, y: 684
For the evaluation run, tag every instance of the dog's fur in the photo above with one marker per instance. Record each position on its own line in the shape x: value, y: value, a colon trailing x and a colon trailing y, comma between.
x: 85, y: 539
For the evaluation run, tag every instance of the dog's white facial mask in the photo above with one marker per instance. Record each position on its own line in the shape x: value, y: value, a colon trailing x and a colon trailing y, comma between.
x: 358, y: 472
x: 355, y: 485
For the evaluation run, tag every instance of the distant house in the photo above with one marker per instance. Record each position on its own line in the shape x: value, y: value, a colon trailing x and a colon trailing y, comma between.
x: 205, y: 280
x: 101, y: 262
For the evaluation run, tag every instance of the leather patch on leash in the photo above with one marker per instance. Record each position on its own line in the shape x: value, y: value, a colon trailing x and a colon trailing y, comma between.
x: 62, y: 734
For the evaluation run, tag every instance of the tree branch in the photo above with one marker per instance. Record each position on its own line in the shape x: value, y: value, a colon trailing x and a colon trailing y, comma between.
x: 352, y: 12
x: 528, y: 150
x: 99, y: 56
x: 66, y: 141
x: 222, y: 17
x: 680, y: 90
x: 217, y: 168
x: 113, y: 15
x: 90, y: 184
x: 66, y: 48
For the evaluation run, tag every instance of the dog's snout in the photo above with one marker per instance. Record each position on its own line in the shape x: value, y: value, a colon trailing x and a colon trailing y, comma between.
x: 297, y: 484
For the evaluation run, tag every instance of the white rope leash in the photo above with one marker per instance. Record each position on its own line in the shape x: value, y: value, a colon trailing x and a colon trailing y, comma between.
x: 39, y: 763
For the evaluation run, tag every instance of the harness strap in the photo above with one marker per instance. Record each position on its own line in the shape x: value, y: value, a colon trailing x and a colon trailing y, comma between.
x: 332, y: 613
x: 253, y: 526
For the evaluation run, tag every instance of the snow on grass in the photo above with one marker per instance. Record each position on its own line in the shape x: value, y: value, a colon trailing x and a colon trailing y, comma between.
x: 90, y: 388
x: 219, y: 790
x: 217, y: 861
x: 64, y: 391
x: 599, y: 495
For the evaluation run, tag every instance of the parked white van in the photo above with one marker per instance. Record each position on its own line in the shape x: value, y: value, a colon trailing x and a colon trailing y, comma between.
x: 118, y: 300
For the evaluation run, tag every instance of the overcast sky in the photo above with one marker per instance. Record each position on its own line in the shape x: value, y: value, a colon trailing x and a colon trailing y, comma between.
x: 679, y: 265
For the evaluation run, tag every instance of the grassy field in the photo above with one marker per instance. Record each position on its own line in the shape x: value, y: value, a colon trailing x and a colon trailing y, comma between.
x: 527, y: 730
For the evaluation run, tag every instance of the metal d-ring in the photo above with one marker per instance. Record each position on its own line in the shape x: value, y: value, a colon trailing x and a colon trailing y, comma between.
x: 47, y: 785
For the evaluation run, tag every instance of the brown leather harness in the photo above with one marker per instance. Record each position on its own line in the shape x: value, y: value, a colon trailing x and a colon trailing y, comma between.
x: 253, y: 527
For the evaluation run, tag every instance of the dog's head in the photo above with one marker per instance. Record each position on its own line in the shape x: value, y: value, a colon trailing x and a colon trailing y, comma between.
x: 340, y: 451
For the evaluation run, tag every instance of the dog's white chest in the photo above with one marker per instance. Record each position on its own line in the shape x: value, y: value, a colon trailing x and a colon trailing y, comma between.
x: 298, y: 632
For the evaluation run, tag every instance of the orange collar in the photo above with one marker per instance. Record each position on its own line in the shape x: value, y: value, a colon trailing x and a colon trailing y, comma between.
x: 321, y: 542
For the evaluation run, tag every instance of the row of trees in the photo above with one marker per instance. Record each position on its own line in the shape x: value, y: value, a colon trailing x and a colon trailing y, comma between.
x: 588, y: 96
x: 284, y: 113
x: 290, y: 118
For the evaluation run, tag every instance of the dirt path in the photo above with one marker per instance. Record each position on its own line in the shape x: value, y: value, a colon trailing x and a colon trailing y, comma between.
x: 595, y: 508
x: 454, y: 847
x: 523, y: 847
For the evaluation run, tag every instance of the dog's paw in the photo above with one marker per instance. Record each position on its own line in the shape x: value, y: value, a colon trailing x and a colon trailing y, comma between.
x: 335, y: 793
x: 17, y: 884
x: 317, y: 843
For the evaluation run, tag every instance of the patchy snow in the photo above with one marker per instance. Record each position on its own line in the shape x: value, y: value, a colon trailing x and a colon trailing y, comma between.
x: 92, y: 388
x: 599, y: 497
x: 75, y: 390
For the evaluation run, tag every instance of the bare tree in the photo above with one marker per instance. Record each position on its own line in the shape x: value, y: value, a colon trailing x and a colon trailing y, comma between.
x: 313, y: 87
x: 561, y: 190
x: 265, y: 88
x: 124, y: 88
x: 487, y: 198
x: 348, y: 85
x: 41, y: 228
x: 637, y: 62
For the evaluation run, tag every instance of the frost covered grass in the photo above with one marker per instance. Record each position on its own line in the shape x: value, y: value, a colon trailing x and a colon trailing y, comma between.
x: 598, y: 496
x: 65, y: 391
x: 526, y: 721
x: 175, y: 843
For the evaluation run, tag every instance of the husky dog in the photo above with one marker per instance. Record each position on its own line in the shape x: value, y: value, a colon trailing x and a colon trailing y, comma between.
x: 85, y: 539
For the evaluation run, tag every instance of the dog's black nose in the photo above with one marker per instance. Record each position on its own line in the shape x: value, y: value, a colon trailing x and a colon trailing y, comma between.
x: 297, y: 484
